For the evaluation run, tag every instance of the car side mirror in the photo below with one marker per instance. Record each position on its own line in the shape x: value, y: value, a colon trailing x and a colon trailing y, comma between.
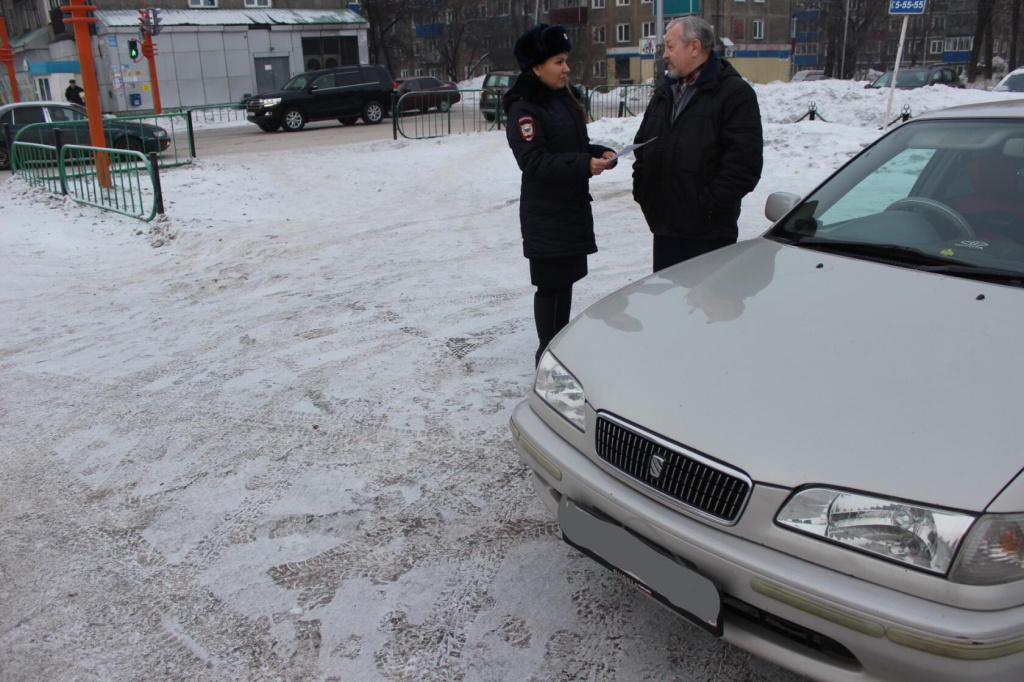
x: 312, y: 88
x: 779, y: 204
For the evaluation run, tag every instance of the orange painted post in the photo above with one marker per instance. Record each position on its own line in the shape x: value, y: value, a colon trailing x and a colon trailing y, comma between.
x: 149, y: 52
x: 7, y: 57
x: 80, y: 19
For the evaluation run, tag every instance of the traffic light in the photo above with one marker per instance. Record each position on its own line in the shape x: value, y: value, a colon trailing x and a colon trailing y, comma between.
x: 145, y: 23
x: 154, y: 20
x: 133, y: 50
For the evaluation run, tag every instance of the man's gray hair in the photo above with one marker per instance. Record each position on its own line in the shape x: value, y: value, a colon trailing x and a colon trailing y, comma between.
x: 695, y: 28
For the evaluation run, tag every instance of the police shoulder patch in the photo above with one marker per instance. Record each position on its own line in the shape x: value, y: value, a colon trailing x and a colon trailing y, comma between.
x: 527, y: 128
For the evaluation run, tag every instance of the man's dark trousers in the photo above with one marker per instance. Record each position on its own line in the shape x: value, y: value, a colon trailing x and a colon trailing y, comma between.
x: 669, y: 250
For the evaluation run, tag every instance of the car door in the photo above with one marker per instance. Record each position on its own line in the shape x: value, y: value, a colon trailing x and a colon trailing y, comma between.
x: 323, y: 98
x: 410, y: 101
x: 73, y: 124
x: 25, y: 116
x: 432, y: 86
x: 350, y: 91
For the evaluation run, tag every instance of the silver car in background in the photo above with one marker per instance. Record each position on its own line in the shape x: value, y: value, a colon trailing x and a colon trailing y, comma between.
x: 811, y: 443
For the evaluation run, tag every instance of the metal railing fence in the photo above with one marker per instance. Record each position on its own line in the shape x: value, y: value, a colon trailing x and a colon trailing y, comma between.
x: 424, y: 114
x: 124, y: 181
x: 618, y: 101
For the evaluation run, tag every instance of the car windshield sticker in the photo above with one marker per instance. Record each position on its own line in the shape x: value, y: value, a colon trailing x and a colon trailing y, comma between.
x: 968, y: 244
x: 526, y: 128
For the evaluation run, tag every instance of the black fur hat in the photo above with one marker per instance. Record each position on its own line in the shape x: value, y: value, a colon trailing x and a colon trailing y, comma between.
x: 540, y: 43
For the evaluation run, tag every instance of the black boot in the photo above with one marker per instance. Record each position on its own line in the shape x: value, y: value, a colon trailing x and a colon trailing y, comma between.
x: 563, y: 308
x: 545, y: 308
x: 551, y: 309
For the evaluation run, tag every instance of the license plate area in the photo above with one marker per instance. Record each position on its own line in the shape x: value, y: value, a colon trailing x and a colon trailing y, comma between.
x: 652, y: 569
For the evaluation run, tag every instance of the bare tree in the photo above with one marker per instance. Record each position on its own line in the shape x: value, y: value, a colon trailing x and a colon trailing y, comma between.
x: 385, y: 43
x: 867, y: 17
x: 1014, y: 33
x: 982, y: 38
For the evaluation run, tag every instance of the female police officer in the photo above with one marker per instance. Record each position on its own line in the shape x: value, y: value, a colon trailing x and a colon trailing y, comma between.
x: 547, y: 131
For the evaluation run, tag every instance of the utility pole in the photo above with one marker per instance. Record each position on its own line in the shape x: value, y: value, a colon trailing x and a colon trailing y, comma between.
x: 846, y: 26
x: 80, y: 19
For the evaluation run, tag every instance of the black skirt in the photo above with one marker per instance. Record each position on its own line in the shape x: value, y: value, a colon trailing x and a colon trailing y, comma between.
x: 557, y: 272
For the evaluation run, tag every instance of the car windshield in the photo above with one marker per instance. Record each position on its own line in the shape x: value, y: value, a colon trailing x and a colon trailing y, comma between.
x: 1014, y: 82
x: 944, y: 196
x: 299, y: 82
x: 906, y: 79
x: 497, y: 82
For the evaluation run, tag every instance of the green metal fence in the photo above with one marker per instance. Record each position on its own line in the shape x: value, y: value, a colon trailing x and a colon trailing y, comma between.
x: 120, y: 180
x: 424, y: 114
x: 618, y: 101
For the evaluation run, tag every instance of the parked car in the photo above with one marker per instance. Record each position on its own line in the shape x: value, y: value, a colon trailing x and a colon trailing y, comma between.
x: 430, y: 93
x: 496, y: 84
x: 918, y: 77
x: 809, y: 443
x: 808, y: 75
x: 1012, y: 82
x: 344, y: 93
x: 73, y: 122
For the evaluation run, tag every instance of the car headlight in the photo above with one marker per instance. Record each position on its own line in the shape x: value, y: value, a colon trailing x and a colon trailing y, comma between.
x: 923, y: 537
x: 270, y: 102
x: 559, y: 389
x: 159, y: 133
x: 993, y: 552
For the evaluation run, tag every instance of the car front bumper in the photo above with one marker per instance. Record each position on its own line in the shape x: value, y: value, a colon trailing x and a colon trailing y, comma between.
x: 891, y: 635
x: 261, y: 115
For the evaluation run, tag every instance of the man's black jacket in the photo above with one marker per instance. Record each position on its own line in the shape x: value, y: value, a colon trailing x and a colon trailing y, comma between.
x: 548, y: 135
x: 691, y: 180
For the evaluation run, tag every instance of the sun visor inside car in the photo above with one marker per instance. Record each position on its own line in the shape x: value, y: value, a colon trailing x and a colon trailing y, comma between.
x: 955, y: 137
x: 1014, y: 148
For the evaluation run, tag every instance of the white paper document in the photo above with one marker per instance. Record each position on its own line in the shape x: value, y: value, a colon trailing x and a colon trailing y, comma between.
x: 630, y: 148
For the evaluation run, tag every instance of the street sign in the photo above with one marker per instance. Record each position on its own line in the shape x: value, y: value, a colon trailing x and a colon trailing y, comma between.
x: 906, y: 6
x: 648, y: 46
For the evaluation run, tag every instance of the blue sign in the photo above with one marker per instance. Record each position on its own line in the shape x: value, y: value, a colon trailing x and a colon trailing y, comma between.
x: 906, y: 6
x: 111, y: 41
x: 677, y: 7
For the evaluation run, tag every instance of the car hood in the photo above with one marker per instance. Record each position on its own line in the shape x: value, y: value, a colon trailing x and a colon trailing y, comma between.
x: 800, y: 367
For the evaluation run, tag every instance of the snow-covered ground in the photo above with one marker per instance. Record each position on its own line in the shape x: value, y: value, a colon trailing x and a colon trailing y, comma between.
x: 265, y: 437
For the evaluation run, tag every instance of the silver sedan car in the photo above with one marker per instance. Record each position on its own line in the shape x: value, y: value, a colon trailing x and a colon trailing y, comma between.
x: 811, y: 443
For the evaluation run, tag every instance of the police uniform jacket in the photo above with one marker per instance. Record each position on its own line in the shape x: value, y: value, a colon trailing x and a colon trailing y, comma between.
x: 690, y: 180
x: 548, y: 137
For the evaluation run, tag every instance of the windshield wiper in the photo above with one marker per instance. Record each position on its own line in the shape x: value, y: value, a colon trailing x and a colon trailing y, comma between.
x: 913, y: 258
x: 974, y: 272
x: 908, y: 255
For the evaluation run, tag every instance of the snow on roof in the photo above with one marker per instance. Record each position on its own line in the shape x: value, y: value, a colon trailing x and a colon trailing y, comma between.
x: 233, y: 17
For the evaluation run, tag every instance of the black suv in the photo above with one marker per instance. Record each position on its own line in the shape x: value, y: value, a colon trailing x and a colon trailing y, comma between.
x: 345, y: 93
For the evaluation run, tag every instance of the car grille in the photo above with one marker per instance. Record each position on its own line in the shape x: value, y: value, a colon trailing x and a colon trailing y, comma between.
x: 687, y: 479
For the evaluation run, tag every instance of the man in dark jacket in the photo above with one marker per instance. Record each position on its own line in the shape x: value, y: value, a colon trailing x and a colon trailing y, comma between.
x: 706, y: 149
x: 74, y: 93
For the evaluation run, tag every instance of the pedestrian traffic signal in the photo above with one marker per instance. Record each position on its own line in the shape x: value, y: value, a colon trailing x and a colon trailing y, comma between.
x: 133, y: 50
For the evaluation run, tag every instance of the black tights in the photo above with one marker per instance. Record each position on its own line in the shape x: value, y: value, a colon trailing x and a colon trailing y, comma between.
x: 551, y: 307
